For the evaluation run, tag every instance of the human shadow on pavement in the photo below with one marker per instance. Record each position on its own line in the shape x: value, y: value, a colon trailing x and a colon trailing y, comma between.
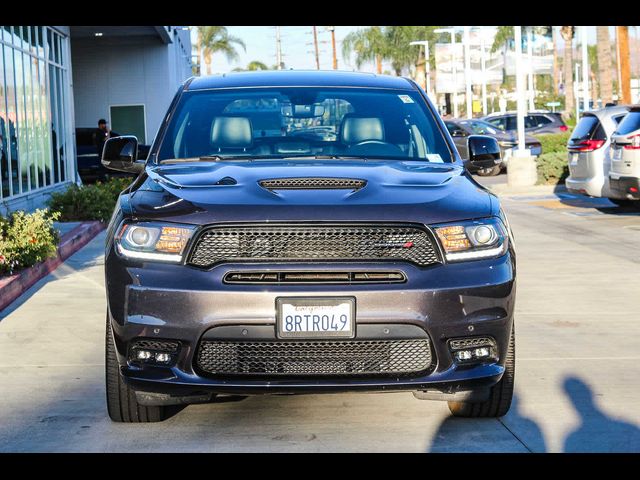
x: 597, y: 432
x: 489, y: 434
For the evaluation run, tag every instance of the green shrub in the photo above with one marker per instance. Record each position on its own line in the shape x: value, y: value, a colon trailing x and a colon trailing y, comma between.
x: 26, y: 239
x: 88, y: 202
x: 554, y: 142
x: 552, y: 168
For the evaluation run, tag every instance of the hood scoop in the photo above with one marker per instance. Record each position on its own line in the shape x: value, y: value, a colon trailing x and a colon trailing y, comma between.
x: 313, y: 183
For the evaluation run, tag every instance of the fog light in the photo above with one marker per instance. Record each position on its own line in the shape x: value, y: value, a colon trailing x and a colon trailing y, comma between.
x: 143, y: 355
x: 473, y: 349
x: 463, y: 355
x: 481, y: 352
x: 163, y: 357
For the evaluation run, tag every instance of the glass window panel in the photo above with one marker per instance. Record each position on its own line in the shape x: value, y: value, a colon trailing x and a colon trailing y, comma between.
x: 50, y: 44
x: 24, y: 34
x: 57, y: 52
x: 5, y: 171
x: 33, y: 40
x: 61, y: 124
x: 55, y: 130
x: 29, y: 131
x: 21, y: 129
x: 41, y: 31
x: 11, y: 125
x: 45, y: 124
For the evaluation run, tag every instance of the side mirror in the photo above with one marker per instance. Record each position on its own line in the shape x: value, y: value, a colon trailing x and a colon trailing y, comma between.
x: 484, y: 151
x: 121, y: 153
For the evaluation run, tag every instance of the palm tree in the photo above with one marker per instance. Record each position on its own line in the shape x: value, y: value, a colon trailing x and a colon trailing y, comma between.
x: 567, y: 64
x: 592, y: 54
x: 556, y: 64
x: 216, y: 39
x: 625, y: 64
x: 368, y: 45
x: 252, y: 66
x: 604, y: 64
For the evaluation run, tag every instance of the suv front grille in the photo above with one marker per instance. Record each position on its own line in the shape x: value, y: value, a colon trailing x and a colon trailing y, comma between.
x: 313, y: 243
x: 315, y: 357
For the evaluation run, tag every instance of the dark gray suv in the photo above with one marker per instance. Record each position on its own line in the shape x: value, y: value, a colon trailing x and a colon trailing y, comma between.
x: 347, y: 250
x: 535, y: 123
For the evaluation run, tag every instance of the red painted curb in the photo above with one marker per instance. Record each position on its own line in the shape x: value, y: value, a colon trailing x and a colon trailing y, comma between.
x: 15, y: 285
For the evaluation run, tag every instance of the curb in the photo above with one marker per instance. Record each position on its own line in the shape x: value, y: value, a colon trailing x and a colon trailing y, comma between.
x: 13, y: 286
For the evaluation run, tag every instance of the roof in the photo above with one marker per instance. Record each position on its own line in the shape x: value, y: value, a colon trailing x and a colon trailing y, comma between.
x: 608, y: 111
x: 299, y: 78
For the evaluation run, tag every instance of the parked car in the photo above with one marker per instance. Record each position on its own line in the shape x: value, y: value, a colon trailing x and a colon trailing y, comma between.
x: 371, y: 262
x: 535, y: 122
x: 88, y: 161
x: 588, y: 153
x: 461, y: 129
x: 624, y: 175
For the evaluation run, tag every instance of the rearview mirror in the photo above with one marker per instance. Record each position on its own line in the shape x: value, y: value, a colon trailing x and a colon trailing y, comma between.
x: 121, y: 153
x: 484, y: 151
x: 302, y: 111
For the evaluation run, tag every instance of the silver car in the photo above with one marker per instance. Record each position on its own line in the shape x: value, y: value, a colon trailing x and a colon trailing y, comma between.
x: 588, y: 156
x: 624, y: 174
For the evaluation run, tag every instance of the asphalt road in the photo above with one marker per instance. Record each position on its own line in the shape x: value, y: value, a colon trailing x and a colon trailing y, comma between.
x: 578, y: 362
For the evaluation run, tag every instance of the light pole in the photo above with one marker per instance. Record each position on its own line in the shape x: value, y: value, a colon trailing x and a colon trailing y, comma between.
x: 575, y: 87
x: 520, y: 91
x: 467, y: 73
x: 452, y: 32
x: 530, y: 86
x: 484, y: 72
x: 428, y: 69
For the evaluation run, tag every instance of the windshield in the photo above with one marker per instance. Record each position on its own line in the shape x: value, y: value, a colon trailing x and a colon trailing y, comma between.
x: 480, y: 128
x: 302, y: 122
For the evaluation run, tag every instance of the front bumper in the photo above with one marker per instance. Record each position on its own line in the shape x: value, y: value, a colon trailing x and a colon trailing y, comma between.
x: 183, y: 303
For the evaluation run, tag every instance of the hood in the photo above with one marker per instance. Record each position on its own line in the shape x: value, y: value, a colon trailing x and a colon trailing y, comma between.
x: 231, y: 191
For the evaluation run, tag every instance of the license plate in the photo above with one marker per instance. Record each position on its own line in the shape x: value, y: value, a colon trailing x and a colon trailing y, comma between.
x: 574, y: 158
x: 617, y: 153
x: 313, y: 317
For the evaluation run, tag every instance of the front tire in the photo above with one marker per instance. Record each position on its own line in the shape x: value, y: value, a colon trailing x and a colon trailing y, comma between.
x: 121, y: 399
x: 500, y: 395
x: 489, y: 172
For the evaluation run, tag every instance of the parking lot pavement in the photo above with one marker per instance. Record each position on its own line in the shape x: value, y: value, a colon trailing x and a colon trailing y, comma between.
x: 578, y: 361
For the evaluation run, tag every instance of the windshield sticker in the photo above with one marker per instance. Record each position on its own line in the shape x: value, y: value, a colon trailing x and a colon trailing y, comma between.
x: 434, y: 157
x: 405, y: 98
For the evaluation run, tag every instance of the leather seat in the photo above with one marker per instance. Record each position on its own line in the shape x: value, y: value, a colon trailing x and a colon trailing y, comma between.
x: 235, y: 135
x: 356, y: 129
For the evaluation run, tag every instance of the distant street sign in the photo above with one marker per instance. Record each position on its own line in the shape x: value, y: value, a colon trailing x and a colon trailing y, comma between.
x: 553, y: 105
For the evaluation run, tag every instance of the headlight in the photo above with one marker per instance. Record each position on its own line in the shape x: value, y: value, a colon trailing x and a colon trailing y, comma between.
x: 153, y: 241
x: 473, y: 240
x: 507, y: 144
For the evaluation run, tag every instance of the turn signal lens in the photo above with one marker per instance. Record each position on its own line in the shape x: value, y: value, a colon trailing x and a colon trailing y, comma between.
x: 473, y: 240
x: 453, y: 238
x: 153, y: 241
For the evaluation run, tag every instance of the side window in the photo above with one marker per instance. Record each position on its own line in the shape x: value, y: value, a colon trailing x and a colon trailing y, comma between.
x: 618, y: 119
x: 542, y: 120
x: 451, y: 127
x: 512, y: 123
x: 497, y: 122
x: 530, y: 121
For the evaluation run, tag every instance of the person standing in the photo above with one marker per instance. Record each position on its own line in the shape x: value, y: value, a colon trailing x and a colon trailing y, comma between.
x: 101, y: 135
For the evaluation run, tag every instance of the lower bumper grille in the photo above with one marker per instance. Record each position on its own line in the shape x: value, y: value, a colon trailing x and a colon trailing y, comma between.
x: 315, y: 357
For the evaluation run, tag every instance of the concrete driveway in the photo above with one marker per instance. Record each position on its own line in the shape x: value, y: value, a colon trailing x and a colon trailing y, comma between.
x: 578, y: 362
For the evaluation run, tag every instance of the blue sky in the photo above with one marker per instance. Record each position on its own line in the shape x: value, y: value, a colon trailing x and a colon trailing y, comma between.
x: 297, y: 47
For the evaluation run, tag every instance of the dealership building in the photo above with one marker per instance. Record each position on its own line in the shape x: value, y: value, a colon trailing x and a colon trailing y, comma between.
x: 54, y: 79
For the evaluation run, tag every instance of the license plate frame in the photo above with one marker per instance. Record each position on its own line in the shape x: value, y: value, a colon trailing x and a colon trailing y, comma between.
x: 308, y: 303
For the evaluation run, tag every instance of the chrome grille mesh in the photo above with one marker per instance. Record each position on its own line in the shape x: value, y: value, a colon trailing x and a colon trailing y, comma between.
x: 313, y: 243
x: 315, y: 357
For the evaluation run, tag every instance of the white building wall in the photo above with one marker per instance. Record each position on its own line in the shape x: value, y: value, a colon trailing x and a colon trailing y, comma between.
x: 125, y: 71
